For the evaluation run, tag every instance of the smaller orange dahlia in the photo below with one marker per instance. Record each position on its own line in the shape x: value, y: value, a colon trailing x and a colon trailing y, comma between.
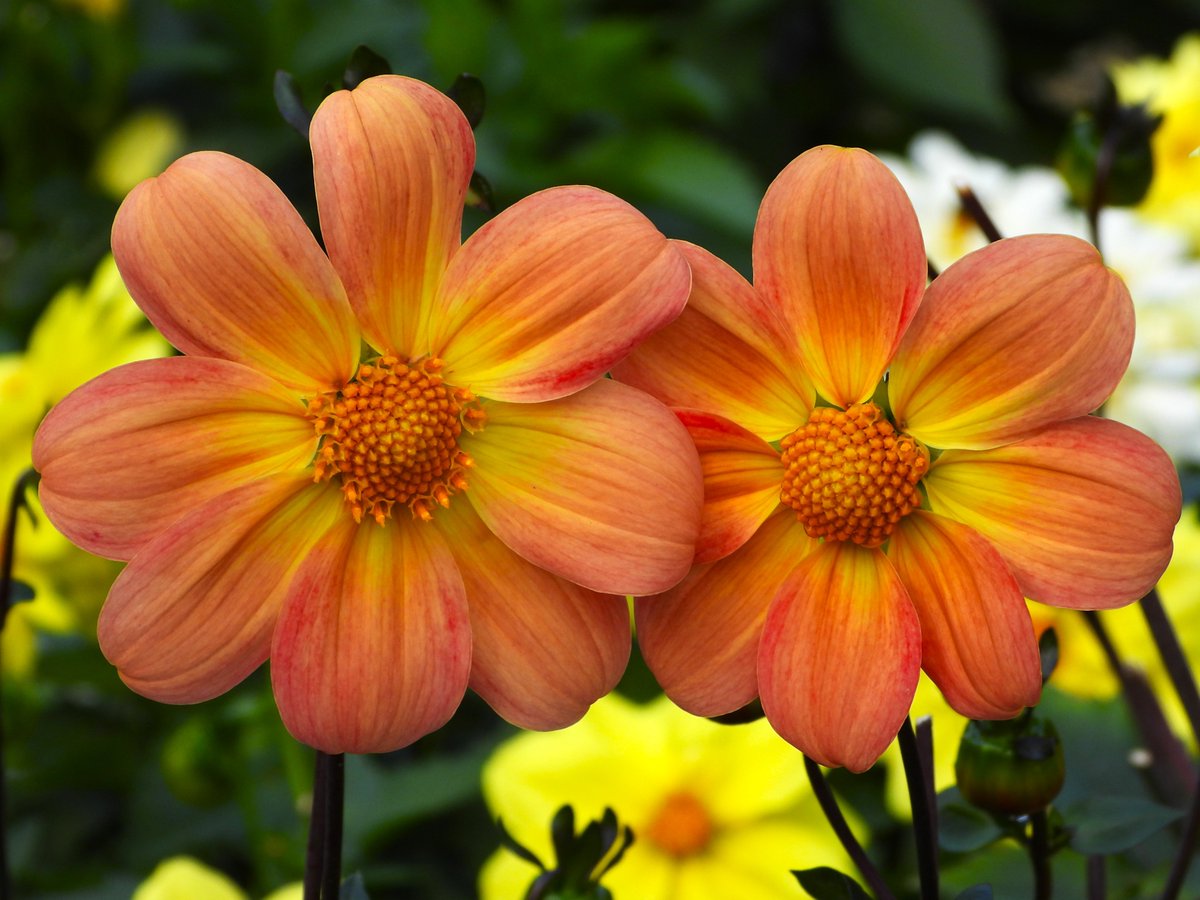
x: 889, y: 469
x: 394, y: 468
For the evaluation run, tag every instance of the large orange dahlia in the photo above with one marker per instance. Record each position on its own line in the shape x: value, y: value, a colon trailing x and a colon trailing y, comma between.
x: 386, y: 521
x: 889, y: 468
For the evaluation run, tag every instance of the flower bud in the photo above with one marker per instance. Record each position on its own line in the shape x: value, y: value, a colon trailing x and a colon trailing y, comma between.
x: 1011, y: 768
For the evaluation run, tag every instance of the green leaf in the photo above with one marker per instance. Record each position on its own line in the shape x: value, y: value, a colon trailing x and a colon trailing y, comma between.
x: 1114, y: 824
x: 942, y: 54
x: 364, y: 63
x: 824, y: 883
x: 963, y: 827
x: 19, y: 592
x: 291, y: 105
x: 467, y: 92
x: 353, y: 888
x: 976, y: 892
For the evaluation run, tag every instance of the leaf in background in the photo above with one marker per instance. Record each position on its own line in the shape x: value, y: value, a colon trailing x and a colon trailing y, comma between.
x: 19, y: 592
x: 977, y: 892
x: 1048, y: 648
x: 963, y: 827
x: 353, y: 888
x: 479, y: 194
x: 467, y: 91
x: 364, y: 63
x: 942, y: 54
x: 824, y: 883
x: 1113, y: 824
x: 290, y: 103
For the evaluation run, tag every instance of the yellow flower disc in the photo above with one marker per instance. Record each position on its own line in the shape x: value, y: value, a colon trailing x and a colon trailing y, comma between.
x: 850, y: 476
x: 391, y: 437
x: 682, y: 826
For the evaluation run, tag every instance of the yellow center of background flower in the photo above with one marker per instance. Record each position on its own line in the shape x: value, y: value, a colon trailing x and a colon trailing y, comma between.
x: 850, y: 476
x: 391, y: 436
x: 681, y: 827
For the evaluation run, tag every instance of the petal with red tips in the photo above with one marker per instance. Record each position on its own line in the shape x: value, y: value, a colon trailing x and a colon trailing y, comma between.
x: 136, y: 449
x: 545, y: 649
x: 193, y: 613
x: 1020, y: 334
x: 837, y: 249
x: 373, y: 646
x: 1083, y: 512
x: 224, y: 266
x: 544, y: 298
x: 977, y: 640
x: 700, y: 639
x: 742, y: 479
x: 392, y: 160
x: 840, y: 656
x: 725, y: 354
x: 602, y: 488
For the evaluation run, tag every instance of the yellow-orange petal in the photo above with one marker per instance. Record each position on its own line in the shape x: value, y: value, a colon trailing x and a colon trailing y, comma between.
x: 224, y: 266
x: 602, y: 488
x: 137, y: 448
x: 700, y: 639
x: 837, y: 249
x: 373, y: 646
x: 1083, y: 512
x: 544, y: 298
x: 193, y: 613
x: 840, y: 656
x: 725, y: 354
x: 977, y: 639
x: 545, y: 649
x: 1022, y: 333
x: 742, y: 479
x: 392, y: 160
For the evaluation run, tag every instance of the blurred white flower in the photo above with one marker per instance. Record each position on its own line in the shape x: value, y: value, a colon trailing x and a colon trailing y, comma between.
x: 1160, y: 394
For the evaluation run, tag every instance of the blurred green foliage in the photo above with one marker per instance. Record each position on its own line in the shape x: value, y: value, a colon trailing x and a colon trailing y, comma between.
x: 687, y: 109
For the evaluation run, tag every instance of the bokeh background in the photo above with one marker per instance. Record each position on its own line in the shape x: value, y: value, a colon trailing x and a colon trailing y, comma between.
x: 686, y: 109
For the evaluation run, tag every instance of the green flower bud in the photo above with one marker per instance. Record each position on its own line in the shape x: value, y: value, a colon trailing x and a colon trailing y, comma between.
x: 1011, y: 768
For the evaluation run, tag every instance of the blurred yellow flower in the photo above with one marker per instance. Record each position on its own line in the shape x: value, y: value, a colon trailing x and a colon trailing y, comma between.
x: 139, y: 148
x: 1170, y: 87
x: 183, y: 878
x: 718, y: 811
x: 83, y: 331
x: 97, y: 9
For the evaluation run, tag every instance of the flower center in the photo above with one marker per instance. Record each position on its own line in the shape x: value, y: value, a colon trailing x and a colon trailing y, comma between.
x: 682, y: 826
x: 850, y: 476
x: 391, y: 436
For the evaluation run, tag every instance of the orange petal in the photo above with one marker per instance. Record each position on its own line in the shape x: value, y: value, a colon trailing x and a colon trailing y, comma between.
x: 1022, y: 333
x: 602, y: 488
x: 224, y: 266
x: 1083, y: 512
x: 132, y: 451
x: 840, y: 656
x: 725, y: 354
x: 392, y: 160
x: 373, y: 646
x: 545, y: 649
x: 742, y: 479
x: 977, y: 640
x: 838, y: 250
x: 700, y: 639
x: 192, y: 614
x: 544, y: 298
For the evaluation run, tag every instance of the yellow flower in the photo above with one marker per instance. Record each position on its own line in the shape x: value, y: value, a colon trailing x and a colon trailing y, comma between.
x: 1170, y: 87
x: 83, y: 331
x: 97, y: 9
x: 718, y: 811
x: 183, y: 878
x: 139, y: 148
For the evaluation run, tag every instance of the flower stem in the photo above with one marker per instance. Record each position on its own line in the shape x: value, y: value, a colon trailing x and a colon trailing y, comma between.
x: 1097, y: 877
x: 971, y: 205
x: 323, y: 865
x: 837, y: 821
x: 1187, y: 849
x: 1039, y: 854
x: 1173, y: 657
x: 920, y: 792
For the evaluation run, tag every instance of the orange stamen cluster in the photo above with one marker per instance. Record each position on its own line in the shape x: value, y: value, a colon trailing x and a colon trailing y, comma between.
x: 391, y: 436
x: 681, y: 827
x: 850, y: 476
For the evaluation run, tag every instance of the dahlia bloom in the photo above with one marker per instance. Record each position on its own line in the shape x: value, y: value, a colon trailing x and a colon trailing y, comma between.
x: 717, y: 811
x: 854, y: 531
x: 444, y: 510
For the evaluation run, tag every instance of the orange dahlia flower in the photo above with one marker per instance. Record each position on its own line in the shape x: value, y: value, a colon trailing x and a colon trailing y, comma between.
x: 882, y: 528
x: 385, y: 530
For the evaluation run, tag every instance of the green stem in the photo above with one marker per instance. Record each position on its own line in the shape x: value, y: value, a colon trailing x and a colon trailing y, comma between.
x: 323, y: 864
x: 923, y: 821
x: 1039, y: 854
